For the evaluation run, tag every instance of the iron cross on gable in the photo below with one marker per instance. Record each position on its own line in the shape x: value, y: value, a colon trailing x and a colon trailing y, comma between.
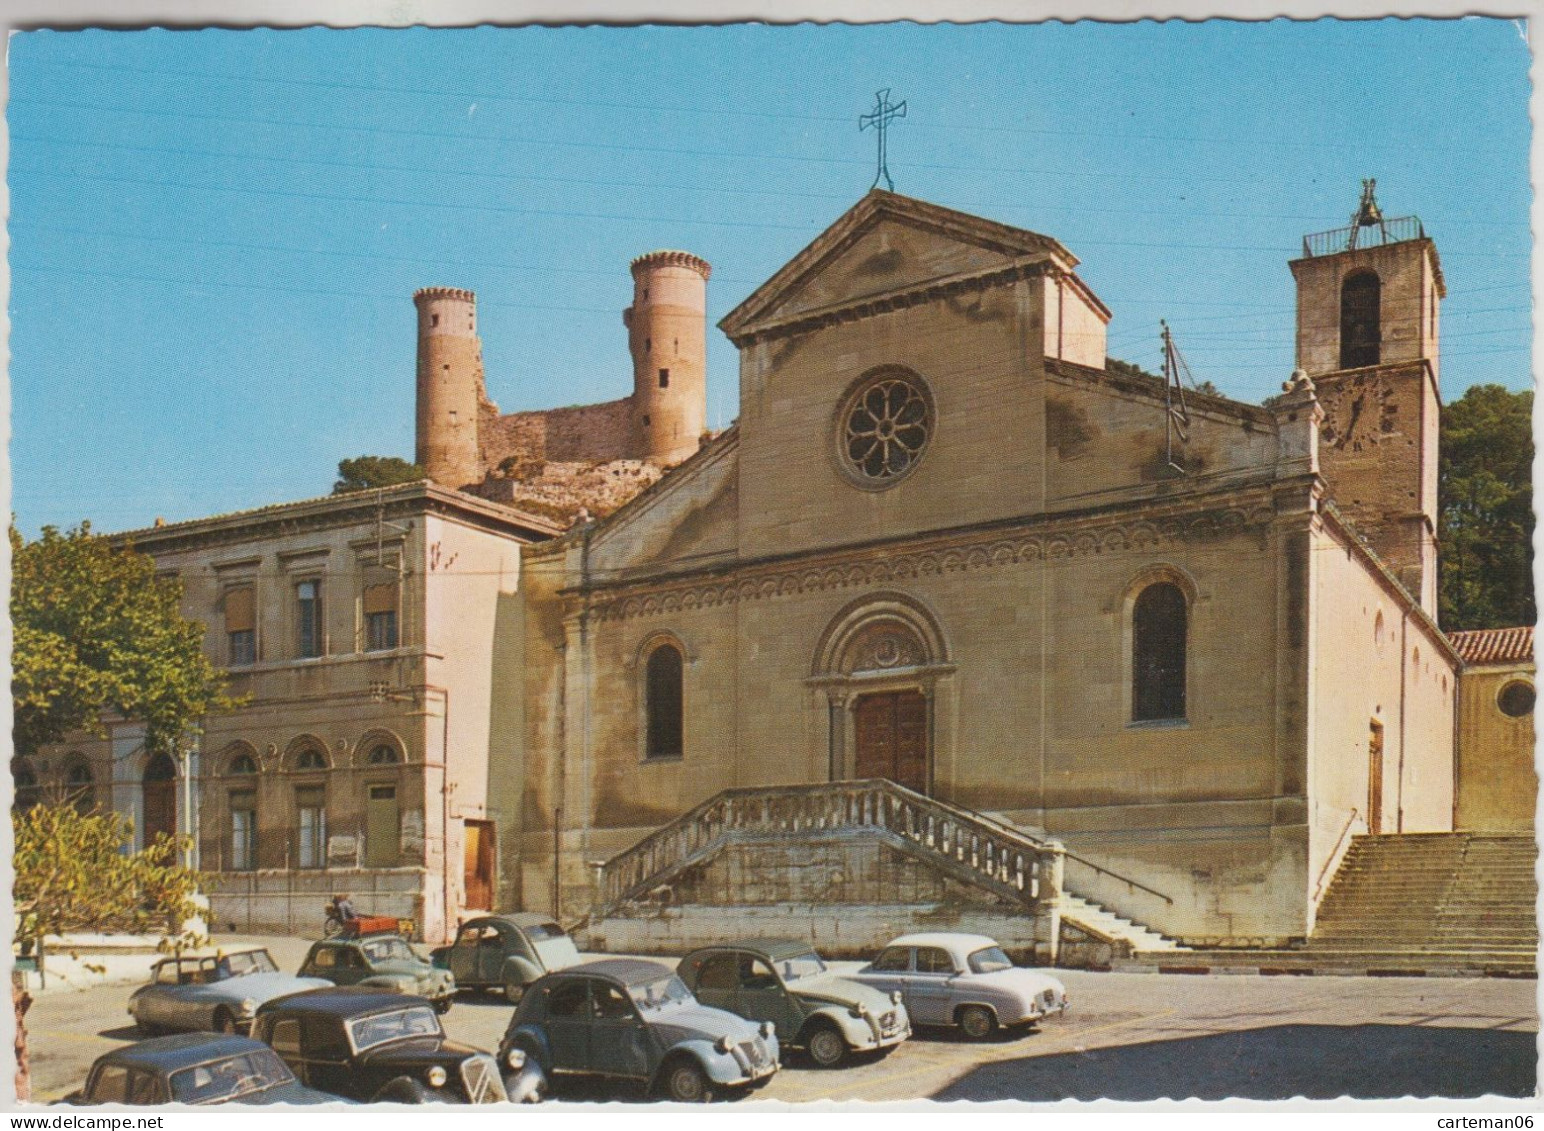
x: 884, y: 112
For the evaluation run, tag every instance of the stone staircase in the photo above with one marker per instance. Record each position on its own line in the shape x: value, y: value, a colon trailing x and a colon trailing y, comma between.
x: 1104, y: 924
x: 1433, y: 899
x: 1407, y: 904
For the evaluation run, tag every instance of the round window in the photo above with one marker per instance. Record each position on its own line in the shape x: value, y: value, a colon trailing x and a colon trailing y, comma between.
x: 1516, y: 699
x: 884, y: 427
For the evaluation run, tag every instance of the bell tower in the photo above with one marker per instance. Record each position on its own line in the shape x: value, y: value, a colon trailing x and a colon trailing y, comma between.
x: 1367, y: 334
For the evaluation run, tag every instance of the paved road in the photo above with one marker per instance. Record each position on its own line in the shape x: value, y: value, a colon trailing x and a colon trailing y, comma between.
x: 1128, y: 1037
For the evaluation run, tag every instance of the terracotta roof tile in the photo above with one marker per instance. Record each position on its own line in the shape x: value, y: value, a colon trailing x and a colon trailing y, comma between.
x: 1494, y: 645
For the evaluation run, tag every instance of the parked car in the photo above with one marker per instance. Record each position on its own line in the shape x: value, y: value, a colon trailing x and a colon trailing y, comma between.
x: 629, y: 1019
x: 787, y: 983
x: 195, y: 1068
x: 366, y: 1044
x: 963, y: 980
x: 218, y: 993
x: 506, y: 953
x: 384, y: 962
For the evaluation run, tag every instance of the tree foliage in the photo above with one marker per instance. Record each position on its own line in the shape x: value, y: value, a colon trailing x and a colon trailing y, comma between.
x: 73, y: 874
x: 375, y: 471
x: 1486, y: 504
x: 95, y: 631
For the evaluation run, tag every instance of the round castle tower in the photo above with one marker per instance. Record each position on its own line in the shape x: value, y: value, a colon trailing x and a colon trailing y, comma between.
x: 450, y: 381
x: 667, y: 336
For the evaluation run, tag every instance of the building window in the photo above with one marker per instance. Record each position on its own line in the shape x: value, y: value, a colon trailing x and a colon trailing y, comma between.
x: 1516, y: 699
x: 1360, y: 331
x: 241, y: 626
x: 663, y: 703
x: 243, y: 830
x: 883, y: 428
x: 664, y: 378
x: 243, y: 764
x: 1158, y: 631
x: 311, y: 759
x: 26, y: 782
x: 383, y: 756
x: 311, y: 807
x: 80, y: 789
x: 308, y: 600
x: 380, y: 609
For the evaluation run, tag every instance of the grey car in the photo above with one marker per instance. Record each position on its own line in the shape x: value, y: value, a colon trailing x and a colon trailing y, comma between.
x: 631, y: 1020
x: 217, y: 993
x: 506, y: 953
x: 381, y: 962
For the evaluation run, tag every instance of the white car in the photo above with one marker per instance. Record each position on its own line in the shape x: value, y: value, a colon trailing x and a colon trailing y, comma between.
x: 963, y: 980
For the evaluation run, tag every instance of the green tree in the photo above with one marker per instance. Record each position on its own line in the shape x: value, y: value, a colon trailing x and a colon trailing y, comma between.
x: 375, y: 471
x: 73, y: 873
x: 1486, y: 510
x: 95, y: 631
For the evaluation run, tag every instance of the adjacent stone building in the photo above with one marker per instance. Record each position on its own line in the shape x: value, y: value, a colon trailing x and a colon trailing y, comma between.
x: 1498, y: 786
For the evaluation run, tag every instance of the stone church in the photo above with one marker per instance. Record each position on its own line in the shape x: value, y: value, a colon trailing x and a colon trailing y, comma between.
x: 959, y: 623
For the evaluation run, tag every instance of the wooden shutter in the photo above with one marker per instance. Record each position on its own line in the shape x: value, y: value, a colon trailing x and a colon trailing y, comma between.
x: 240, y: 610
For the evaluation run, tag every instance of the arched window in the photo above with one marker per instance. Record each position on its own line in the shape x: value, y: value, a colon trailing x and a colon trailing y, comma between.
x: 383, y: 756
x: 311, y: 759
x: 1360, y: 329
x: 243, y: 764
x: 663, y: 703
x: 1158, y: 629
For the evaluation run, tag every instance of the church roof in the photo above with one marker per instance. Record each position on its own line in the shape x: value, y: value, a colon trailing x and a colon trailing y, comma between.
x: 875, y: 207
x: 1494, y: 645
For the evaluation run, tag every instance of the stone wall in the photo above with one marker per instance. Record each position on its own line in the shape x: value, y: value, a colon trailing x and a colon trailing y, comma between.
x: 577, y: 434
x: 1498, y: 786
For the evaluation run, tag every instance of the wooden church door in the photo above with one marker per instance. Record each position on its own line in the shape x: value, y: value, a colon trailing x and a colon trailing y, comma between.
x: 892, y: 738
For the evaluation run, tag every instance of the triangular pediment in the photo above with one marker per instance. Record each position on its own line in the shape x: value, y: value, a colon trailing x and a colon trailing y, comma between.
x: 887, y: 244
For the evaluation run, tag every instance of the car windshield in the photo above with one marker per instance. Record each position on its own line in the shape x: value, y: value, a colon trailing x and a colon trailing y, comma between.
x: 383, y: 950
x: 231, y: 1078
x: 805, y: 965
x: 378, y: 1028
x: 990, y: 960
x: 251, y: 962
x: 543, y: 931
x: 668, y: 990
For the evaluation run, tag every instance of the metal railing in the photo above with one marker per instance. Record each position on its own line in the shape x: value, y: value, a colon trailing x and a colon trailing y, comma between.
x: 1383, y: 232
x: 1334, y: 856
x: 1127, y: 880
x: 971, y: 847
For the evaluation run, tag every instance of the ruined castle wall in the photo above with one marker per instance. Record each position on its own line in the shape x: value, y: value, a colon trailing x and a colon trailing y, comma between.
x: 591, y: 433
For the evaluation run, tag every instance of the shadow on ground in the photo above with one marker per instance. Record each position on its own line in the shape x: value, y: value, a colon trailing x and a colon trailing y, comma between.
x: 1274, y: 1063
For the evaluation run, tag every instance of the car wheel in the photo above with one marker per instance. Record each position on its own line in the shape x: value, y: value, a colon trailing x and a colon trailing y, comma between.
x: 826, y: 1047
x: 514, y: 992
x: 977, y: 1022
x: 403, y: 1090
x: 686, y: 1083
x: 224, y: 1021
x: 528, y: 1086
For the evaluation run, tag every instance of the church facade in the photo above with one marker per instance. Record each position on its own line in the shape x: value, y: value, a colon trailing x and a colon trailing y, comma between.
x: 945, y: 545
x: 1190, y: 648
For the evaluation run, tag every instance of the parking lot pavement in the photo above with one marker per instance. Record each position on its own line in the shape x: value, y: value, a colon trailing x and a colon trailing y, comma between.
x: 1126, y: 1036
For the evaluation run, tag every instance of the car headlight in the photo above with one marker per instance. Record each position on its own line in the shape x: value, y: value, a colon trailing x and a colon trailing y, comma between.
x: 435, y: 1076
x: 515, y: 1058
x: 895, y: 997
x: 767, y: 1029
x: 860, y: 1011
x: 723, y: 1044
x: 248, y: 1007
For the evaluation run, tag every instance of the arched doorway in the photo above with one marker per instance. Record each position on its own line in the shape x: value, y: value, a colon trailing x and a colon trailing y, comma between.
x: 880, y: 662
x: 160, y: 799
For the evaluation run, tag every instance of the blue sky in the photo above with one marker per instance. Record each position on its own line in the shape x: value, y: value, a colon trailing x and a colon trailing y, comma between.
x: 216, y: 234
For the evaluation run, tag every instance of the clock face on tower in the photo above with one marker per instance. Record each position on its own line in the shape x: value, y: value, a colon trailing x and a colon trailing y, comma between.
x: 1360, y: 413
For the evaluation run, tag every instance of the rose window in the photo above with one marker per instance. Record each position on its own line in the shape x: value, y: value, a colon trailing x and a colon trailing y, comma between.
x: 887, y: 425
